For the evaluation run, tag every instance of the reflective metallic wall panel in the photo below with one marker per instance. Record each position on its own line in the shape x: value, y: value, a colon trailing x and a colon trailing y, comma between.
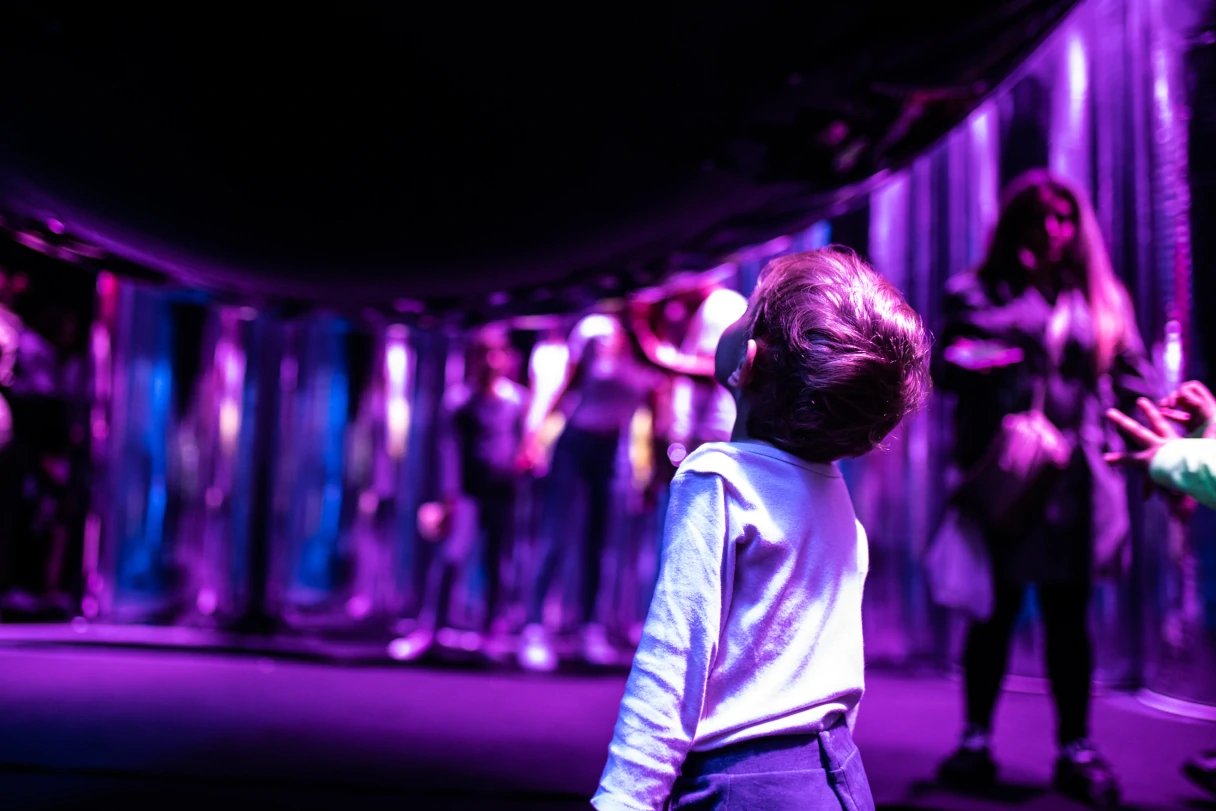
x: 169, y: 521
x: 342, y: 493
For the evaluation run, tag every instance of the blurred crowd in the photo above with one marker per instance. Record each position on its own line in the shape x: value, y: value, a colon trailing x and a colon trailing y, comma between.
x: 44, y: 406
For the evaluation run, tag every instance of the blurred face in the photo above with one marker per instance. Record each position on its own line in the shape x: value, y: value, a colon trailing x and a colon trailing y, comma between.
x: 496, y: 360
x: 491, y: 358
x: 1050, y: 234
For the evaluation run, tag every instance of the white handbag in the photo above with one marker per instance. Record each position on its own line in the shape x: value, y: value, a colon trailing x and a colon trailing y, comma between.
x: 958, y: 566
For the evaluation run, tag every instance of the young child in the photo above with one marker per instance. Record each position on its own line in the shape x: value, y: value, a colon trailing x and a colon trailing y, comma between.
x: 746, y: 682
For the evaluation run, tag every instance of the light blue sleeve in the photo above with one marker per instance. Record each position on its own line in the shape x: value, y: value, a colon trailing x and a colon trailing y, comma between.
x: 665, y: 694
x: 1187, y: 466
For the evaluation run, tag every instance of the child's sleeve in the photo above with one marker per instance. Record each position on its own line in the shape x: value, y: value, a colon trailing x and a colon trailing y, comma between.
x: 665, y: 693
x: 1187, y: 466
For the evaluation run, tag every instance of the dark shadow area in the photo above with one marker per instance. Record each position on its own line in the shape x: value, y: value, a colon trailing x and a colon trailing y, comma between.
x: 1011, y: 794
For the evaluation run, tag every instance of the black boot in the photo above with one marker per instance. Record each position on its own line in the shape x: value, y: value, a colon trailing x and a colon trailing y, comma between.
x: 1085, y: 776
x: 1201, y: 770
x: 971, y: 766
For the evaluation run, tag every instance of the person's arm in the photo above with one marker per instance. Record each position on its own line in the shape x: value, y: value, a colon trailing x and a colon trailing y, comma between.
x: 665, y: 694
x: 665, y: 355
x: 967, y: 349
x: 1187, y: 466
x: 1147, y: 442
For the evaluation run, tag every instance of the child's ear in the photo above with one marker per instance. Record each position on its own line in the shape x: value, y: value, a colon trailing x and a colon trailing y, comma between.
x: 743, y: 372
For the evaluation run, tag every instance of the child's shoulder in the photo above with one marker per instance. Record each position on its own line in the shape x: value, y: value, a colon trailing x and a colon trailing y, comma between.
x: 732, y: 462
x: 743, y: 460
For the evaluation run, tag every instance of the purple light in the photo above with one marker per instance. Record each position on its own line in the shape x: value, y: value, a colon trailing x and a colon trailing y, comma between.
x: 1078, y: 79
x: 207, y: 601
x: 407, y: 305
x: 55, y: 226
x: 396, y: 368
x: 1070, y: 126
x: 984, y: 161
x: 359, y: 606
x: 1172, y: 357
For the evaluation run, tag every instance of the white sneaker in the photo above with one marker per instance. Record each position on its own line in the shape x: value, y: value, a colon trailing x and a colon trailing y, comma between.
x: 536, y: 651
x: 412, y: 646
x: 596, y: 648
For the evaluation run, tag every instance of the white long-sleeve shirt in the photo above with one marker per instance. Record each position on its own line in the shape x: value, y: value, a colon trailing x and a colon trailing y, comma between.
x: 755, y: 625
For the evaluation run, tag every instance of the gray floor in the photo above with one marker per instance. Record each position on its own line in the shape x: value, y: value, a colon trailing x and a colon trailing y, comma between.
x: 94, y: 727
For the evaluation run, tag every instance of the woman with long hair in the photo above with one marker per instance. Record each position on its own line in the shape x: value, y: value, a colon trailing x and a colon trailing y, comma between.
x: 1044, y: 324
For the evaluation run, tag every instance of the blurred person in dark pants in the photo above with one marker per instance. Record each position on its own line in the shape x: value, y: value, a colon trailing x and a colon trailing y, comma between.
x: 481, y: 436
x: 1043, y: 327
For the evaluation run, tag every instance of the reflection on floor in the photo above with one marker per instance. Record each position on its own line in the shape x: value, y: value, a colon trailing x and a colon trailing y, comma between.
x: 93, y: 727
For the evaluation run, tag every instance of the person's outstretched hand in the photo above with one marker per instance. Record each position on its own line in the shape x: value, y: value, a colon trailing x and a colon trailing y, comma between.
x: 1196, y: 402
x: 1144, y: 443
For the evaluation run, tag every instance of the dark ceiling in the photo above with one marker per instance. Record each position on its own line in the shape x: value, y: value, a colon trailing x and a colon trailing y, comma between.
x: 446, y: 151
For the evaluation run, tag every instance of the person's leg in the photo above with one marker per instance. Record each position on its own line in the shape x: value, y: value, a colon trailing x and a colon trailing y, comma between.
x: 984, y: 661
x: 432, y: 614
x: 437, y: 613
x: 598, y: 469
x: 1069, y: 657
x: 987, y: 655
x: 561, y: 487
x: 535, y: 649
x: 1081, y: 773
x: 498, y: 519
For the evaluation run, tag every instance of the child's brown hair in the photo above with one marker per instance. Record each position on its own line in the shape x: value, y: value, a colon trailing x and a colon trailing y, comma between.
x: 841, y: 357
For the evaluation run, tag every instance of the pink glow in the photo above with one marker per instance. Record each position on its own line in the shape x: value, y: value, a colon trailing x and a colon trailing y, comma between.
x: 546, y: 373
x: 1172, y: 355
x: 395, y: 362
x: 54, y: 226
x: 397, y: 410
x: 230, y: 360
x: 207, y: 601
x: 1070, y: 129
x: 358, y: 606
x: 1078, y: 79
x: 985, y: 161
